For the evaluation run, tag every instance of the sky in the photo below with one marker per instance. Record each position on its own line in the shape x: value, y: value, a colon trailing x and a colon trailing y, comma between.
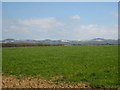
x: 60, y: 20
x: 1, y: 21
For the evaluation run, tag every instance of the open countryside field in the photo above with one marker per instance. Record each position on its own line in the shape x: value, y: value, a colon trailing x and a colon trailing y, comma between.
x: 96, y: 65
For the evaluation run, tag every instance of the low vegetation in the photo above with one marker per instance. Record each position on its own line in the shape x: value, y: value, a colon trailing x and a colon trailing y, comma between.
x: 94, y: 64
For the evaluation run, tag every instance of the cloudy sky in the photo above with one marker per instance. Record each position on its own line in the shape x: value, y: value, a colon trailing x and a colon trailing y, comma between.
x: 60, y: 20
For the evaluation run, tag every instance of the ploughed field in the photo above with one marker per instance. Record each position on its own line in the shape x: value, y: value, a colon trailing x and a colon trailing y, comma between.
x: 96, y: 65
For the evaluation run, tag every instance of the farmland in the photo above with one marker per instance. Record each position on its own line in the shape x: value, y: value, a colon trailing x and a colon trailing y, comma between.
x: 94, y: 64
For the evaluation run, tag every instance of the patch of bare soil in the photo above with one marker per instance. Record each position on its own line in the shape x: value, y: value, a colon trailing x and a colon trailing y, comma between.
x: 30, y: 82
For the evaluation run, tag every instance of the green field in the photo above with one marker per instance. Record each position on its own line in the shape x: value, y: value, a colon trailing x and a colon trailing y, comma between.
x: 95, y: 64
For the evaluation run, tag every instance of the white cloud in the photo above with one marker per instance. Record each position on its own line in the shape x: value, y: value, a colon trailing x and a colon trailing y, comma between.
x: 94, y: 30
x: 115, y: 14
x: 7, y: 21
x: 0, y: 21
x: 76, y: 17
x: 15, y: 28
x: 47, y: 23
x: 86, y: 32
x: 46, y: 27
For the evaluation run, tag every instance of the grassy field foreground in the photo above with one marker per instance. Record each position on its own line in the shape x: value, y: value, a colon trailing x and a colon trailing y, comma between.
x: 95, y: 64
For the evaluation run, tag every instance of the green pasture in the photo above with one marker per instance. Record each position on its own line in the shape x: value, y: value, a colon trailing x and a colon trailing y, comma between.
x: 95, y: 64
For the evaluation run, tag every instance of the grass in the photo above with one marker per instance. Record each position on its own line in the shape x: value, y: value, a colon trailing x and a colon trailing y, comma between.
x: 96, y: 64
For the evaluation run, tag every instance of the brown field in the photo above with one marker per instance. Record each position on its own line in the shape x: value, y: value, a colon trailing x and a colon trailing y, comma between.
x: 30, y: 82
x: 28, y: 45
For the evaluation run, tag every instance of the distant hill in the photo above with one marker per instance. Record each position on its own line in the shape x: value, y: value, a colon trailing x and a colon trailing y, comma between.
x: 48, y: 41
x: 97, y: 39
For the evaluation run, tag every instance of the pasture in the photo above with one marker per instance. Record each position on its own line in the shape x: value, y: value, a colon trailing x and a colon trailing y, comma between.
x: 95, y: 64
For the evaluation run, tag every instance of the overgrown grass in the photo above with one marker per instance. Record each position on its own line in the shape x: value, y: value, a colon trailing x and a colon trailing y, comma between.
x: 97, y: 65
